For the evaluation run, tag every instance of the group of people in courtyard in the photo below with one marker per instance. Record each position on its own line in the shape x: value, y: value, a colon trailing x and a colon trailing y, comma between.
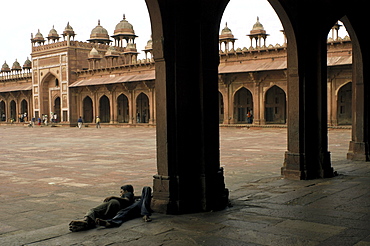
x: 116, y: 210
x: 80, y: 122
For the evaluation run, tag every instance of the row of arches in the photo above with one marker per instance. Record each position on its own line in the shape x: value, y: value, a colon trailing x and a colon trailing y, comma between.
x: 11, y: 112
x: 275, y: 106
x: 123, y: 114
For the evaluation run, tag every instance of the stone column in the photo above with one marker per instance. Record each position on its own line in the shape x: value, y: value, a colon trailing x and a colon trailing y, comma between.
x: 307, y: 156
x: 359, y: 144
x: 189, y: 177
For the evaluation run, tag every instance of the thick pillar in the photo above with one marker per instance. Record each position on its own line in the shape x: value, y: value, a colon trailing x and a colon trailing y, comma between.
x: 307, y: 156
x: 359, y: 144
x: 189, y: 177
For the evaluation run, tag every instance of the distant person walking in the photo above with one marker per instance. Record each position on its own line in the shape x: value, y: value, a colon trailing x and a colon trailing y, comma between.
x: 97, y: 121
x: 79, y: 122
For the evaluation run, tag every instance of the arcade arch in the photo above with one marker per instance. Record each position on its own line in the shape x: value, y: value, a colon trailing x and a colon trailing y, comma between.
x: 122, y: 109
x: 104, y: 109
x: 243, y: 103
x: 275, y: 105
x: 87, y: 109
x: 13, y: 110
x: 56, y: 109
x: 179, y: 176
x: 221, y: 107
x: 142, y: 108
x: 24, y: 106
x: 2, y: 111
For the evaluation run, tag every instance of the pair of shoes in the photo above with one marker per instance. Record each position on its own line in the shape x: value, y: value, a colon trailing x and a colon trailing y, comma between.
x: 146, y: 218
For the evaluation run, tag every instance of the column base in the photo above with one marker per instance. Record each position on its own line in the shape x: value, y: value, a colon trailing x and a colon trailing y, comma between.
x: 358, y: 151
x: 291, y: 167
x: 210, y: 195
x: 161, y: 202
x: 295, y: 167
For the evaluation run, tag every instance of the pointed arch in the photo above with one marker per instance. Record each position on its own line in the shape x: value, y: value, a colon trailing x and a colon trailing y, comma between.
x: 13, y: 110
x: 275, y: 105
x: 56, y: 109
x: 2, y: 110
x: 221, y: 107
x: 243, y: 104
x: 122, y: 109
x: 104, y: 109
x: 46, y: 84
x: 142, y: 108
x: 87, y: 109
x: 344, y: 104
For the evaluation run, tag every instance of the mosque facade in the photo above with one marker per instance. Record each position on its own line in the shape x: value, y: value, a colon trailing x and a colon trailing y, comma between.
x: 66, y: 79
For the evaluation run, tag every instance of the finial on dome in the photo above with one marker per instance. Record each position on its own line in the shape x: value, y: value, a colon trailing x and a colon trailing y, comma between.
x: 99, y: 22
x: 124, y: 16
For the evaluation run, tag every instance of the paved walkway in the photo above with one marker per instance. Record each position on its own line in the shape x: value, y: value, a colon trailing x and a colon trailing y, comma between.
x: 51, y: 175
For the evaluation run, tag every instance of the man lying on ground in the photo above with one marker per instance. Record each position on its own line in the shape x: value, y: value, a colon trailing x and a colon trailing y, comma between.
x: 138, y: 208
x: 107, y: 210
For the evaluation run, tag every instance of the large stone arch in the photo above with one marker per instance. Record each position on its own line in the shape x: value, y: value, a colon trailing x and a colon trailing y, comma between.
x: 49, y: 81
x: 187, y: 183
x: 181, y: 75
x: 359, y: 144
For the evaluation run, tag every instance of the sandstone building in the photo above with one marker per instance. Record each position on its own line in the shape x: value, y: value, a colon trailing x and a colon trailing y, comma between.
x: 104, y: 77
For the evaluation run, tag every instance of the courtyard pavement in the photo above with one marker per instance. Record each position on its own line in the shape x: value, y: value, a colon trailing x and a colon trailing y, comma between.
x: 52, y: 175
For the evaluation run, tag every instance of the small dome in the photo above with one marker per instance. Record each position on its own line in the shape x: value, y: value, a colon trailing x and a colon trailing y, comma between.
x: 149, y: 45
x: 99, y: 30
x: 226, y: 32
x: 130, y: 47
x: 27, y: 64
x: 38, y: 34
x: 38, y: 37
x: 99, y: 34
x: 258, y: 28
x: 53, y: 34
x: 16, y: 65
x: 258, y: 25
x: 68, y: 27
x: 5, y: 67
x: 68, y: 30
x: 94, y: 54
x: 124, y: 27
x: 111, y: 52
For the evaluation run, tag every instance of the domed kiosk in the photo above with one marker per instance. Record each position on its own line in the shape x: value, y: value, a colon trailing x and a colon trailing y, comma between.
x: 99, y: 35
x: 124, y: 31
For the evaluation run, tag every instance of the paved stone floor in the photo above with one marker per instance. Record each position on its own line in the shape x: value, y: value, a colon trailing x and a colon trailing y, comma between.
x: 51, y: 175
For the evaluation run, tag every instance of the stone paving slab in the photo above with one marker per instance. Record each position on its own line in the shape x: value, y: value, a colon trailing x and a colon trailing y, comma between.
x: 51, y: 175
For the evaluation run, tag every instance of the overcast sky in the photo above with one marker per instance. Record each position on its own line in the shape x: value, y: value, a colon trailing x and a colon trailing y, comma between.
x: 21, y: 18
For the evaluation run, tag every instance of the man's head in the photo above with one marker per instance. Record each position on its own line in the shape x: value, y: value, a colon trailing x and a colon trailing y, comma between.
x: 127, y: 188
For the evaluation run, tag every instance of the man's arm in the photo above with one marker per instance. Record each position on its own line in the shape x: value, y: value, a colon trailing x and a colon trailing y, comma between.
x: 115, y: 197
